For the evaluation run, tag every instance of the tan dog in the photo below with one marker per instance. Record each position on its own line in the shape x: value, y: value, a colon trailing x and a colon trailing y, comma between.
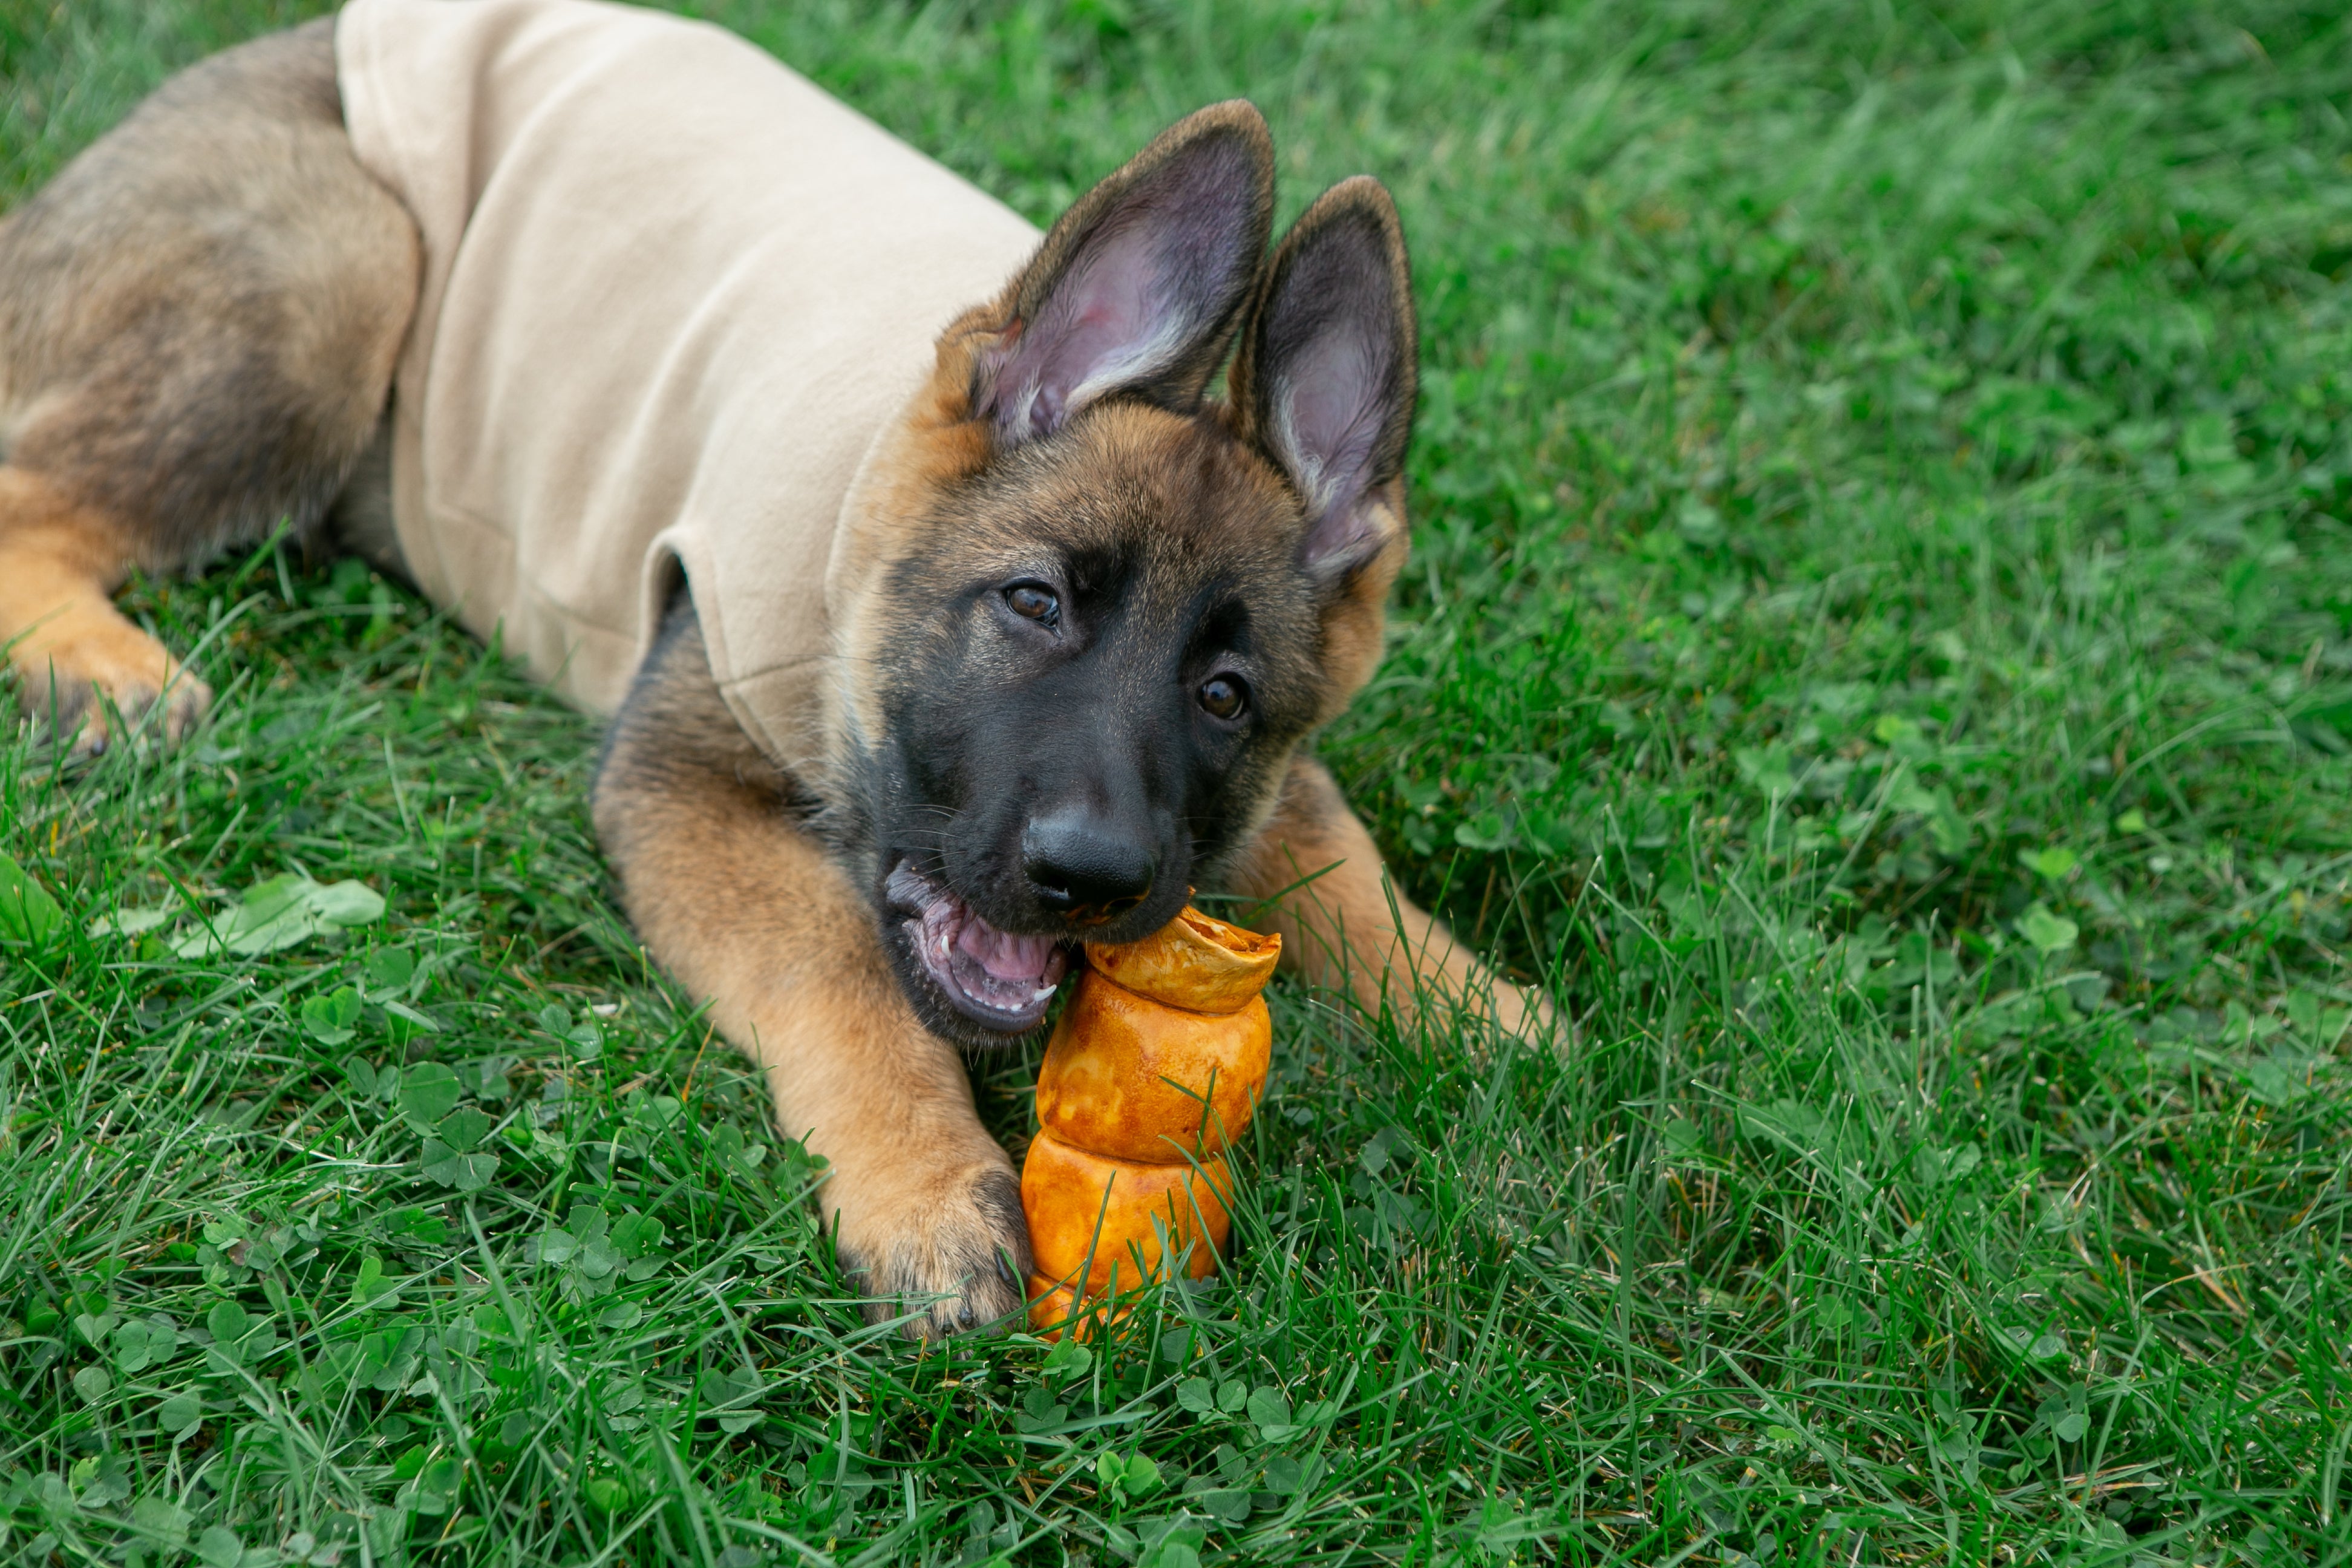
x: 1062, y: 622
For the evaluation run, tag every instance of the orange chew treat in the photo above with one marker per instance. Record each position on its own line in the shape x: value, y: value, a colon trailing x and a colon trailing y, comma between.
x: 1137, y: 1080
x: 1195, y: 962
x: 1070, y: 1190
x: 1051, y: 1306
x: 1156, y: 1067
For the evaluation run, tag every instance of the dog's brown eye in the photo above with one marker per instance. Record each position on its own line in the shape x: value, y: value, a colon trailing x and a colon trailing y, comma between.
x: 1033, y: 603
x: 1223, y: 697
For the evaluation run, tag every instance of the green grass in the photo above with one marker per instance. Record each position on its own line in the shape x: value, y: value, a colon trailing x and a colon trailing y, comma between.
x: 1879, y: 644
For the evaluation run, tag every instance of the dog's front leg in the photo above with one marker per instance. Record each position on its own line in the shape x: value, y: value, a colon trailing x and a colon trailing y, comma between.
x: 1344, y: 924
x: 748, y: 911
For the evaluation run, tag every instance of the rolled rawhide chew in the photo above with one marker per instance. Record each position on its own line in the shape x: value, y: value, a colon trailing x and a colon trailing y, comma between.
x: 1128, y: 1217
x: 1155, y: 1068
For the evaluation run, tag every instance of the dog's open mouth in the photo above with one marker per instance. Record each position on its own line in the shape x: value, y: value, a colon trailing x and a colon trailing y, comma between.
x: 991, y: 977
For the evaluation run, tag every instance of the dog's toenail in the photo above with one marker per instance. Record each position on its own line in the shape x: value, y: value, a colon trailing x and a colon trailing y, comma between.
x: 965, y: 1315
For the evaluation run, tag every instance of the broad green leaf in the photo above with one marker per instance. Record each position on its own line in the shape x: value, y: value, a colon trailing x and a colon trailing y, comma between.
x: 159, y: 1519
x: 229, y: 1323
x: 465, y: 1128
x: 606, y: 1494
x: 131, y: 921
x: 180, y: 1415
x: 2279, y: 1082
x: 391, y: 968
x: 451, y: 1168
x: 1269, y: 1409
x: 345, y: 904
x: 1767, y: 768
x: 219, y: 1547
x: 102, y: 1480
x: 428, y: 1092
x: 27, y: 913
x: 139, y: 1346
x: 329, y: 1019
x: 372, y: 1288
x: 636, y: 1235
x: 284, y: 912
x: 2053, y: 863
x: 1131, y: 1478
x: 1904, y: 737
x: 1940, y: 1166
x: 597, y: 1257
x: 2048, y: 931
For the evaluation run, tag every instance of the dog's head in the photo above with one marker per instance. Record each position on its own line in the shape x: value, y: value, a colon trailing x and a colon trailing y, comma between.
x: 1084, y: 615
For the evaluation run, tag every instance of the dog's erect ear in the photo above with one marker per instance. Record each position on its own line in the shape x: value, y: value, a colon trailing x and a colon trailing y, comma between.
x: 1138, y: 288
x: 1325, y: 379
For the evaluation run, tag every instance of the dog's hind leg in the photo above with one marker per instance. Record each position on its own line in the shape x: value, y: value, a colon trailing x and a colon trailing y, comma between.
x: 59, y: 562
x: 199, y: 320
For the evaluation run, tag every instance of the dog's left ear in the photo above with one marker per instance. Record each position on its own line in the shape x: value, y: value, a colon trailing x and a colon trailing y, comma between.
x: 1139, y: 286
x: 1325, y: 380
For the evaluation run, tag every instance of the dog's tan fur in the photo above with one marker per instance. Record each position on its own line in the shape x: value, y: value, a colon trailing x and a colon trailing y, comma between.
x: 199, y: 320
x: 198, y: 324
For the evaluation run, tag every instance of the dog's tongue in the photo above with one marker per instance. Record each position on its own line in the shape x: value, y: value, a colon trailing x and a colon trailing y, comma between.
x: 1011, y: 959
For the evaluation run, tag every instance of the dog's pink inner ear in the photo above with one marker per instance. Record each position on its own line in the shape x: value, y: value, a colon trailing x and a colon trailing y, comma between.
x: 1112, y: 323
x: 1144, y: 300
x: 1332, y: 379
x: 1329, y: 413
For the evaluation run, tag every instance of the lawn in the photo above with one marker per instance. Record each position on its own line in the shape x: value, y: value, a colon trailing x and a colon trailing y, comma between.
x: 1878, y: 646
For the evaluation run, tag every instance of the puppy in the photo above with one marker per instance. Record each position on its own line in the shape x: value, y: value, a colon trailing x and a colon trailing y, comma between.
x: 942, y: 619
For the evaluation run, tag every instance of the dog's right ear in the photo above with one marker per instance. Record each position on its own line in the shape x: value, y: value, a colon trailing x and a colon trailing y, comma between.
x: 1139, y: 286
x: 1324, y: 381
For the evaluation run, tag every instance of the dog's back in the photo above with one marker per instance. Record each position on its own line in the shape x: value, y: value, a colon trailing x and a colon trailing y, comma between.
x: 616, y: 371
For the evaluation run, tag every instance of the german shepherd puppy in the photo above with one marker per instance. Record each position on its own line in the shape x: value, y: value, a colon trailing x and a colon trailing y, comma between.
x: 1160, y: 595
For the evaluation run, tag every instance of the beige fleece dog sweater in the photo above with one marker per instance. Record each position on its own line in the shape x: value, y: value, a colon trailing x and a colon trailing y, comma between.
x: 672, y: 292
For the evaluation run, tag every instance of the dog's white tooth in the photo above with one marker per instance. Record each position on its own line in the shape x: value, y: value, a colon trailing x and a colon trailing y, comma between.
x: 1043, y: 992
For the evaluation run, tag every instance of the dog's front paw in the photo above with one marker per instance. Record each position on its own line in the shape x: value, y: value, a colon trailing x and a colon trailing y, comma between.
x: 946, y: 1243
x: 1526, y: 1014
x: 83, y: 682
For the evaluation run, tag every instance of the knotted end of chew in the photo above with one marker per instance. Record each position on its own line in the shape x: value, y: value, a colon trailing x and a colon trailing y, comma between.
x: 1195, y: 962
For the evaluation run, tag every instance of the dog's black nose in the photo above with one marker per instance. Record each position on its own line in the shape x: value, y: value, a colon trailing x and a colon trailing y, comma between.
x: 1084, y: 868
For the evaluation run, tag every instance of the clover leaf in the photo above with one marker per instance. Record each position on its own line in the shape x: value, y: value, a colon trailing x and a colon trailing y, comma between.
x: 180, y: 1416
x: 428, y: 1093
x: 331, y: 1019
x: 2048, y: 931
